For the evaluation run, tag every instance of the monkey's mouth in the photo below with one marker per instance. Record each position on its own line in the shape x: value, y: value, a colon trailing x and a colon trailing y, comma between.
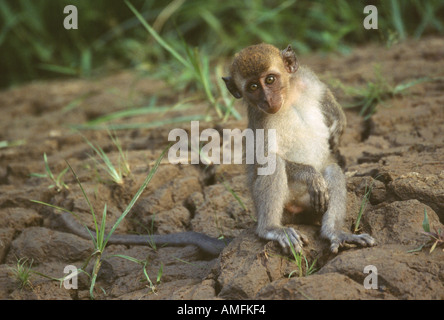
x: 270, y: 108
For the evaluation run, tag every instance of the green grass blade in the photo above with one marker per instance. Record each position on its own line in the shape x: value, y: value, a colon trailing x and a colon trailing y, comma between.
x: 54, y: 206
x: 404, y: 86
x: 123, y: 161
x: 101, y: 233
x: 416, y: 249
x: 65, y: 210
x: 91, y: 208
x: 108, y: 166
x: 143, y: 125
x: 94, y: 276
x: 364, y: 202
x: 86, y: 62
x: 58, y: 69
x: 159, y: 273
x: 148, y: 278
x: 14, y: 143
x: 234, y: 194
x: 48, y: 170
x: 136, y: 112
x: 425, y: 222
x: 397, y: 18
x: 132, y: 259
x: 38, y: 175
x: 433, y: 246
x: 156, y: 36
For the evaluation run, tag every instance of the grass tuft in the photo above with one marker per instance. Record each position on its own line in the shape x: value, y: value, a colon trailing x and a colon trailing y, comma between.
x: 298, y: 257
x: 376, y: 92
x: 115, y: 172
x: 101, y: 238
x: 22, y: 272
x: 195, y: 63
x: 57, y: 182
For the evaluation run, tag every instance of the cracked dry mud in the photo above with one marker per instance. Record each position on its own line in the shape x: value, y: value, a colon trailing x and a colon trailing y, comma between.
x: 400, y: 150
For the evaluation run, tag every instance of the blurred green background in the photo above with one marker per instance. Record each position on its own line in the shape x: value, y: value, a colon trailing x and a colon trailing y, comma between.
x: 34, y: 44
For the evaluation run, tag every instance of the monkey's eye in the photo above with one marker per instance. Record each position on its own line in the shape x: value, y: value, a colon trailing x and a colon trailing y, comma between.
x: 269, y: 79
x: 253, y: 87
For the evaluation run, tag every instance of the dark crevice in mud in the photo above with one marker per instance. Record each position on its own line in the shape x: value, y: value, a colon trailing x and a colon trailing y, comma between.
x: 191, y: 207
x: 209, y: 175
x: 7, y: 249
x: 122, y: 194
x: 217, y: 287
x: 377, y: 174
x: 369, y: 126
x: 375, y: 158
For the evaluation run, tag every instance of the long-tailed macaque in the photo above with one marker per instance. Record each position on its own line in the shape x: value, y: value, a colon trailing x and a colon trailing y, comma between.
x: 290, y: 99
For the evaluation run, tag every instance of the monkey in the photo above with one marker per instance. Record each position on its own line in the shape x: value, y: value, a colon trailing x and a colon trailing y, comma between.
x: 208, y: 245
x: 282, y: 95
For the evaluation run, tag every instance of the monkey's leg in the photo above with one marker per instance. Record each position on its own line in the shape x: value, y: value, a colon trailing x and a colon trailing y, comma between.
x: 335, y: 214
x: 270, y: 193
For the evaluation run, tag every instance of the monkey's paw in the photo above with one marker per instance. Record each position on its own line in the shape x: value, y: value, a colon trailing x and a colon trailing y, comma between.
x: 363, y: 240
x: 318, y: 194
x: 287, y: 237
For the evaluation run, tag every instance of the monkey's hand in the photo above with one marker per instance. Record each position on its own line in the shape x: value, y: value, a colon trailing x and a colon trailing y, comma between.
x: 363, y: 240
x: 317, y: 189
x: 287, y: 238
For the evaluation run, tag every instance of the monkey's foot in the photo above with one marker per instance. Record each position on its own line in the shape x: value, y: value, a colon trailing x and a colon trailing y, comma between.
x: 364, y: 240
x: 287, y: 237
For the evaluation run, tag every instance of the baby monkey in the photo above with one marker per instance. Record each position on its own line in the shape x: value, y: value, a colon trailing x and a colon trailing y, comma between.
x: 308, y: 122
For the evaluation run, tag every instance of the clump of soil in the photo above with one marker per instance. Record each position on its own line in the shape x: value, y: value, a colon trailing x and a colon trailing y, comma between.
x: 399, y: 152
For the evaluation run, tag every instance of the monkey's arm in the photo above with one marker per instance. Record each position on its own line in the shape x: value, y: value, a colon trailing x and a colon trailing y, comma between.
x: 209, y: 245
x: 317, y: 187
x: 334, y: 119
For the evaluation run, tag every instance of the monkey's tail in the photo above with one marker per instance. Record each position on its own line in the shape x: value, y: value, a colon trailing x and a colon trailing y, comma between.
x: 209, y: 245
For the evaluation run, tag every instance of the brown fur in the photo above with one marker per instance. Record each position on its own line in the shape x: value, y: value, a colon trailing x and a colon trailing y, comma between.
x: 253, y: 60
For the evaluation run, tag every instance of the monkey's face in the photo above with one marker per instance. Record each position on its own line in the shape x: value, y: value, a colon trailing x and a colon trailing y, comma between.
x: 265, y: 92
x: 261, y: 75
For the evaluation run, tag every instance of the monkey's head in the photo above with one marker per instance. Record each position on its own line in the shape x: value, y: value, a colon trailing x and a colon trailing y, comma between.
x: 260, y: 74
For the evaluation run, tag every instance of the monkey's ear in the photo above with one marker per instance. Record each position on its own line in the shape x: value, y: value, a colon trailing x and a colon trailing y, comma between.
x: 231, y: 86
x: 289, y: 57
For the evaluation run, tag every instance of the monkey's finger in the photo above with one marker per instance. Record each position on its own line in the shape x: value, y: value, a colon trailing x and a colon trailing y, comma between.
x: 304, y: 238
x: 291, y: 239
x: 296, y: 237
x: 297, y: 246
x: 360, y: 239
x: 334, y: 247
x: 368, y: 239
x: 285, y: 244
x: 364, y: 240
x: 318, y: 202
x: 324, y: 201
x: 327, y: 200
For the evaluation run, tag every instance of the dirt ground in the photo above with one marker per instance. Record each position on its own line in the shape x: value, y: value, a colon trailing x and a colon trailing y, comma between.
x: 400, y: 152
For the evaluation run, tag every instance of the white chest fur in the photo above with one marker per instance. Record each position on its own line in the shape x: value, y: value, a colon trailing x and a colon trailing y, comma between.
x: 302, y: 135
